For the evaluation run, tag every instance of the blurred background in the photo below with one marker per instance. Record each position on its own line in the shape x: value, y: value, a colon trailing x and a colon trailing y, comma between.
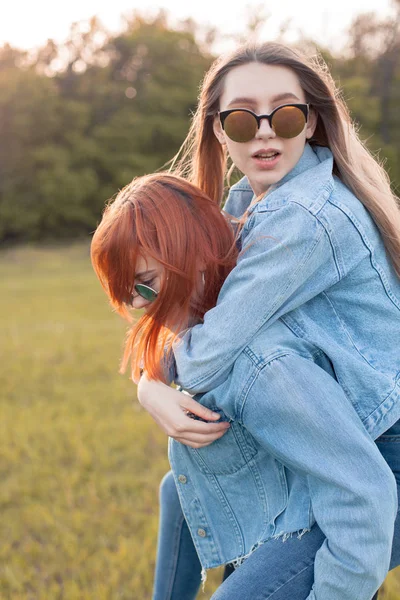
x: 91, y: 96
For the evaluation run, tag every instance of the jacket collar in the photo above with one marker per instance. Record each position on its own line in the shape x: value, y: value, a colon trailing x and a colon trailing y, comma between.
x: 313, y: 172
x: 308, y: 160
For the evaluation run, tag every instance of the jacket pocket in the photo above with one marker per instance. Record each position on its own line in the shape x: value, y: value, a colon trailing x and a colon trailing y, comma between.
x: 228, y: 454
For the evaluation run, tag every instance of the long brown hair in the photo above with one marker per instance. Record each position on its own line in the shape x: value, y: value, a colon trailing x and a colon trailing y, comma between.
x: 169, y: 219
x: 203, y: 160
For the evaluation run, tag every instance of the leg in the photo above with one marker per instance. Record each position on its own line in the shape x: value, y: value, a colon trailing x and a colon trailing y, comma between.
x: 178, y: 570
x: 281, y: 570
x: 389, y: 447
x: 229, y: 569
x: 277, y: 570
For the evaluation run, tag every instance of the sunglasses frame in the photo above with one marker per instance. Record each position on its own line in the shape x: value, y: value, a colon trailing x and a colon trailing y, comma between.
x: 147, y: 287
x: 305, y: 109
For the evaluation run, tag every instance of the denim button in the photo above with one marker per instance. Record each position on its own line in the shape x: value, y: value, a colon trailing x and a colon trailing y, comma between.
x: 201, y: 532
x: 182, y: 479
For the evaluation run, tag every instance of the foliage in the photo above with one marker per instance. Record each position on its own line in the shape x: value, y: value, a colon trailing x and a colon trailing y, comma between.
x: 78, y: 120
x: 370, y: 76
x: 72, y: 138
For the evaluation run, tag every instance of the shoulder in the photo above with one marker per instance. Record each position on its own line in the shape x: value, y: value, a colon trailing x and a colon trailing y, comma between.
x: 309, y: 185
x: 239, y: 198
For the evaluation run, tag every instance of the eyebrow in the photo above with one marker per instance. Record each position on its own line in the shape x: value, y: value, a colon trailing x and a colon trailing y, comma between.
x: 143, y: 274
x: 285, y: 96
x: 278, y: 98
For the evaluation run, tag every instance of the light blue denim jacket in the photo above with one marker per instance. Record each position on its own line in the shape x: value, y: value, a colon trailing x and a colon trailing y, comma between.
x: 296, y: 452
x: 312, y: 298
x: 313, y: 256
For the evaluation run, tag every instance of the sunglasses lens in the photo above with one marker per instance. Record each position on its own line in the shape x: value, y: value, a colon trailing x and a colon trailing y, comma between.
x: 240, y: 126
x: 288, y: 122
x: 146, y: 292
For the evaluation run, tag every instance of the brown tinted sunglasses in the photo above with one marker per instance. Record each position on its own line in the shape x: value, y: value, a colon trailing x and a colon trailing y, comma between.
x: 287, y: 121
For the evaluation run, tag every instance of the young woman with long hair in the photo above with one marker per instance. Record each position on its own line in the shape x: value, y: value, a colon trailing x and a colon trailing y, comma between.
x: 294, y: 449
x: 322, y: 238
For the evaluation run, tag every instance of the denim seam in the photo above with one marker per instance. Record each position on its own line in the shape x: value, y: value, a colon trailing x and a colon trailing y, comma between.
x: 347, y: 332
x: 176, y: 550
x: 260, y: 361
x: 321, y: 197
x: 329, y: 234
x: 246, y: 457
x: 258, y: 370
x: 228, y: 512
x: 336, y: 252
x: 334, y: 247
x: 375, y: 265
x: 247, y: 386
x: 377, y: 408
x: 261, y: 490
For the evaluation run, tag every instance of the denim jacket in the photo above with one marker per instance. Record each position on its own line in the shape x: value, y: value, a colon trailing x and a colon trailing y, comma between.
x: 296, y: 452
x: 315, y: 301
x: 312, y: 255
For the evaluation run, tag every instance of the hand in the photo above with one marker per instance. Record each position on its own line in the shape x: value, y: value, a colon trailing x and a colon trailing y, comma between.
x: 169, y: 409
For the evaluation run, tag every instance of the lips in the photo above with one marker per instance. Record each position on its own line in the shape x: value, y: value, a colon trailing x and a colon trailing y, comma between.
x: 266, y: 159
x: 268, y: 154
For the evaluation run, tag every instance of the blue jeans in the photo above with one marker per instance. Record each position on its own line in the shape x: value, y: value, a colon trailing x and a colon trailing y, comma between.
x: 276, y: 570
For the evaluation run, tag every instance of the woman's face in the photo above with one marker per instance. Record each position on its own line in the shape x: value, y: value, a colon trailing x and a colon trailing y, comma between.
x: 148, y: 272
x: 267, y: 158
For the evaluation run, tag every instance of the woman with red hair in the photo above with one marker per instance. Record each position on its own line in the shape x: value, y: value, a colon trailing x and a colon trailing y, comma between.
x: 291, y: 454
x: 163, y: 232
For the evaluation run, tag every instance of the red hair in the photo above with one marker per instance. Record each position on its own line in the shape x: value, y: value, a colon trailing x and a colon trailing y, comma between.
x: 174, y: 222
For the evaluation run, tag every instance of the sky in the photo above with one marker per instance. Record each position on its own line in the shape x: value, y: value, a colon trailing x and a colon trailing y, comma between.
x: 28, y: 24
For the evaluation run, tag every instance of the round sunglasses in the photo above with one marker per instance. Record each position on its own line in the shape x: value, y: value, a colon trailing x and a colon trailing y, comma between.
x: 144, y: 291
x: 287, y: 121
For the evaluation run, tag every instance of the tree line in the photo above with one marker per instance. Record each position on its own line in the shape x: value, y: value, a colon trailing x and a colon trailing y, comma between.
x: 79, y: 119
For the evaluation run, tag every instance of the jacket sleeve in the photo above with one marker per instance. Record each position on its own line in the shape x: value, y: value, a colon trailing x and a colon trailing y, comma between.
x: 302, y: 416
x: 286, y: 259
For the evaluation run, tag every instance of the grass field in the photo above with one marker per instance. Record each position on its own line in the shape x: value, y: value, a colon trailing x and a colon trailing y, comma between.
x: 80, y: 461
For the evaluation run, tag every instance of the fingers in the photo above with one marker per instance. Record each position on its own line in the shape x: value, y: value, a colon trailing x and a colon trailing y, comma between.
x: 199, y: 441
x: 198, y: 409
x: 197, y: 434
x: 190, y: 432
x: 189, y: 425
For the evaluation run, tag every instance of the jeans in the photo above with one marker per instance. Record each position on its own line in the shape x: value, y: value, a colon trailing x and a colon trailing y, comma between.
x: 276, y: 570
x: 178, y: 569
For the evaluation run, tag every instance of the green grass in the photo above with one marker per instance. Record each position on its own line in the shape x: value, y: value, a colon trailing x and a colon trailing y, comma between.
x: 80, y: 461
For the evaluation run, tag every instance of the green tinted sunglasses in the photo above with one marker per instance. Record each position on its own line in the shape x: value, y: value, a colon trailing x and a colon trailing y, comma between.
x: 145, y: 292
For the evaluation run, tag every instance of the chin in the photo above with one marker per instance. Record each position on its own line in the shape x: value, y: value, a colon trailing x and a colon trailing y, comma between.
x: 264, y: 183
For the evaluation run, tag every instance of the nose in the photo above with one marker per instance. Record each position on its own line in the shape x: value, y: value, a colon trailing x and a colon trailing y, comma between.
x: 265, y: 130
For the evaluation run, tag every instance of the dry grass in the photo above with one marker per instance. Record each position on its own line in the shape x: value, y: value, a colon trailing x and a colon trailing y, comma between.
x: 80, y: 462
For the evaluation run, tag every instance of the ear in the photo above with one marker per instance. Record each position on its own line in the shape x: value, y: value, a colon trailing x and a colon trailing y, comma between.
x: 311, y: 123
x: 218, y: 131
